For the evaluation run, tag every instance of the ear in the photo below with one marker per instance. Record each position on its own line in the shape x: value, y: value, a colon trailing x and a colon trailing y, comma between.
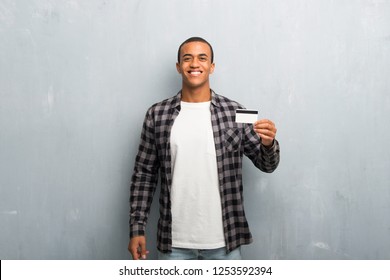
x: 212, y: 67
x: 178, y: 67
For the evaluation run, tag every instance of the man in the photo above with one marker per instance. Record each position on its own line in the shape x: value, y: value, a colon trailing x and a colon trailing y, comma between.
x: 193, y: 141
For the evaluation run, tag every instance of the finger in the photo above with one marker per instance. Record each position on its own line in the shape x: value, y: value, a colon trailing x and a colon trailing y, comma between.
x: 266, y: 137
x: 134, y: 252
x: 143, y: 250
x: 268, y: 126
x: 264, y: 121
x: 265, y: 132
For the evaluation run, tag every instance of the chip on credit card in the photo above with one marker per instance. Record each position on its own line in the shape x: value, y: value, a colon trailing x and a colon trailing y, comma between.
x: 246, y: 116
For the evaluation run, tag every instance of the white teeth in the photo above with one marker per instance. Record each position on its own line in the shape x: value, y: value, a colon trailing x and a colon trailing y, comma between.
x: 195, y: 72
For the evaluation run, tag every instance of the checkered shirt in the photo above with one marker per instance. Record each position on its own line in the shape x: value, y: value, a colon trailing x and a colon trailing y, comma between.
x: 232, y: 141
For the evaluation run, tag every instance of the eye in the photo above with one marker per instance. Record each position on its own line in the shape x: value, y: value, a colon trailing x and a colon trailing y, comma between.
x: 203, y: 58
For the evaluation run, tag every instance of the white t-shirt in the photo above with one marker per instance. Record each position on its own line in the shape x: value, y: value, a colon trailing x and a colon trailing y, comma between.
x: 195, y: 197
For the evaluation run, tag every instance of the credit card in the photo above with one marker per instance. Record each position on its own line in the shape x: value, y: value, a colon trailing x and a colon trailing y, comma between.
x: 246, y: 116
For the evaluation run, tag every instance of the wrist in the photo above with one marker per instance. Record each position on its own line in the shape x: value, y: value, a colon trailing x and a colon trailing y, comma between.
x: 267, y: 143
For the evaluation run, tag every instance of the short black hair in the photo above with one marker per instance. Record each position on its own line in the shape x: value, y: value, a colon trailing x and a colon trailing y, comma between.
x: 195, y: 39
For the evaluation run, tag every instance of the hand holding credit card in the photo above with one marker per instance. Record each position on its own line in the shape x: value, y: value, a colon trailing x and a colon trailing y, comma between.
x: 246, y: 116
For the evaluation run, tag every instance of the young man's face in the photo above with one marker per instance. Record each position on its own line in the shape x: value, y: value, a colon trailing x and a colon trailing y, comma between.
x: 195, y: 64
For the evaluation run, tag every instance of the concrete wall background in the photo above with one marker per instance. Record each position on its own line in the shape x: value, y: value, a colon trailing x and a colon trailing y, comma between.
x: 76, y: 78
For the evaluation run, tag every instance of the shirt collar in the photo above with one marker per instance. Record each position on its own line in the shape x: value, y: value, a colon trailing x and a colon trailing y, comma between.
x: 214, y: 100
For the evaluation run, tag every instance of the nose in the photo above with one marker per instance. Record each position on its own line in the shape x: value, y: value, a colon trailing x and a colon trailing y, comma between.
x: 194, y: 63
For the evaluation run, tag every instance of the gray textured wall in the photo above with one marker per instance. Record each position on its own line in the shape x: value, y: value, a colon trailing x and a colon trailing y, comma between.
x: 76, y: 78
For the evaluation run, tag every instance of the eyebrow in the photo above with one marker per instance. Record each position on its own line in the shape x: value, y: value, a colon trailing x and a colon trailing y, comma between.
x: 187, y: 54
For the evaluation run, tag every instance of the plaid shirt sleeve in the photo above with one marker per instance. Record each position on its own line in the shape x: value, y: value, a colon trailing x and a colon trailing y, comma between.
x: 144, y: 179
x: 264, y: 158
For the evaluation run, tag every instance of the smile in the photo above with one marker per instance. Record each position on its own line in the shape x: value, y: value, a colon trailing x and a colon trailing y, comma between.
x: 195, y: 72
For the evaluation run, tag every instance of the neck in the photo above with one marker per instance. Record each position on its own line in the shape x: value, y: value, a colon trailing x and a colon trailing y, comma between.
x: 196, y: 94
